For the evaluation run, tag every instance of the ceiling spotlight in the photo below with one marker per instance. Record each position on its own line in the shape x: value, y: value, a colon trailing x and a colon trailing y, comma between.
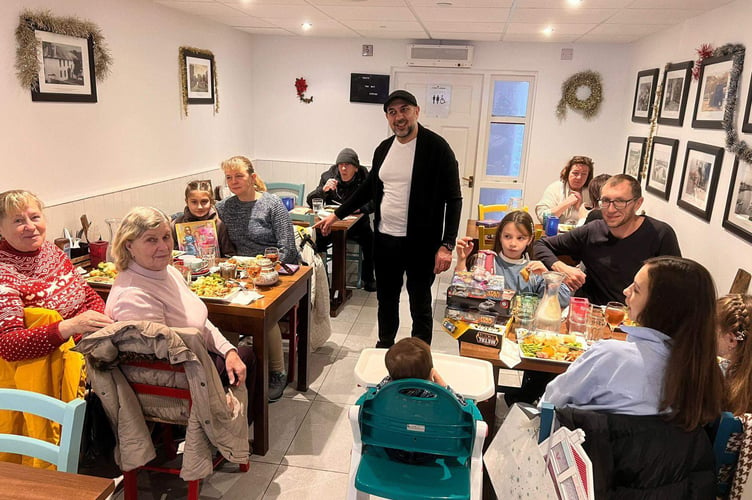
x: 548, y: 30
x: 574, y: 3
x: 306, y: 26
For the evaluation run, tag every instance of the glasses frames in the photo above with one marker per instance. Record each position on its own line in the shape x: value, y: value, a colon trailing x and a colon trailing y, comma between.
x: 618, y: 204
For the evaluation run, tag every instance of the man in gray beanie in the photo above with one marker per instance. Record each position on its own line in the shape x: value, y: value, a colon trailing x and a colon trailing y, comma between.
x: 336, y: 185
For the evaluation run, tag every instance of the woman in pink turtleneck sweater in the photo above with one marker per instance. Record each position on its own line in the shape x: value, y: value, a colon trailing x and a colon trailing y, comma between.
x: 148, y: 288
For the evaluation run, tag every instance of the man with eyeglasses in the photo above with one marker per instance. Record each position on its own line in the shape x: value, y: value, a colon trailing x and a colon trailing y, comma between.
x: 415, y: 188
x: 613, y: 249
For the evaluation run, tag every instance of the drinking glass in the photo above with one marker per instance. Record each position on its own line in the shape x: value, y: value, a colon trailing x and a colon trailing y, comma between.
x: 615, y: 312
x: 227, y: 270
x: 317, y: 204
x: 209, y: 257
x: 272, y: 253
x: 595, y: 324
x: 254, y: 269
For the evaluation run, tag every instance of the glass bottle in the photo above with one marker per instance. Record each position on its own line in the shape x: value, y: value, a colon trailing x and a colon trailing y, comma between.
x: 548, y: 314
x: 113, y: 224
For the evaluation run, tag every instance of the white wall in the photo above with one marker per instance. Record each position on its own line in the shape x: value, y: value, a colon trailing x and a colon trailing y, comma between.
x: 135, y: 134
x: 707, y: 242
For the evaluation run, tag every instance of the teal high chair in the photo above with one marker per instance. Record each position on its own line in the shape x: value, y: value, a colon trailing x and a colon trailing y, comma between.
x: 438, y: 425
x: 726, y: 450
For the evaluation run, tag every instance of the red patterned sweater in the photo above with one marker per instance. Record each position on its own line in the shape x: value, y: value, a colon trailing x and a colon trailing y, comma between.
x: 45, y: 278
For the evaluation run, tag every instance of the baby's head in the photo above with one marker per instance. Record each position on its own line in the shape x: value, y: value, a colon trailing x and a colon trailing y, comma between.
x: 409, y: 358
x: 199, y: 197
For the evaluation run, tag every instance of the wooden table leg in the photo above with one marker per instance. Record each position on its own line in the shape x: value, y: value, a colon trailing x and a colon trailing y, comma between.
x: 260, y: 403
x: 304, y: 345
x: 339, y: 292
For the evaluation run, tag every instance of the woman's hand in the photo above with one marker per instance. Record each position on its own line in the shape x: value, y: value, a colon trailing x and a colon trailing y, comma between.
x: 463, y: 248
x: 86, y: 322
x: 574, y: 199
x: 235, y: 368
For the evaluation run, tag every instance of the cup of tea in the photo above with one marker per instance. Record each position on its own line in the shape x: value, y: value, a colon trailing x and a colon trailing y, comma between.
x: 272, y: 253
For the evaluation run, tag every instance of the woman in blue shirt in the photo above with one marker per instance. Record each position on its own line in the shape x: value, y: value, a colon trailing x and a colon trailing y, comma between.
x: 666, y: 366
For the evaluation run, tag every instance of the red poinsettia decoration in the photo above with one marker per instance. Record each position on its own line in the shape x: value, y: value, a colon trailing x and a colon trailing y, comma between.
x: 703, y: 52
x: 301, y: 86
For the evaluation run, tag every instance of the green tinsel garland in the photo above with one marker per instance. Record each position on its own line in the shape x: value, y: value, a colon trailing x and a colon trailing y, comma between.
x: 588, y: 107
x: 27, y: 63
x: 733, y: 144
x: 184, y: 76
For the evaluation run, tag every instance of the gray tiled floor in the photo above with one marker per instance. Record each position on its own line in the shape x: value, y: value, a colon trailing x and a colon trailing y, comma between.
x: 310, y: 435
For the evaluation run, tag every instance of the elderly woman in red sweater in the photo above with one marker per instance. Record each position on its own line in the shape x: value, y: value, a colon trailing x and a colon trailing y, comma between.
x: 36, y: 273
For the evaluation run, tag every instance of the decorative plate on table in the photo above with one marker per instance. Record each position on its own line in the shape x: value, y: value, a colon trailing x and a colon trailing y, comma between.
x: 214, y: 288
x: 99, y: 280
x: 551, y: 347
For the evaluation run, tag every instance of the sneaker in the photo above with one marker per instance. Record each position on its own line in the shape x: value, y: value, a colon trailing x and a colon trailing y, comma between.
x: 369, y: 286
x: 277, y: 384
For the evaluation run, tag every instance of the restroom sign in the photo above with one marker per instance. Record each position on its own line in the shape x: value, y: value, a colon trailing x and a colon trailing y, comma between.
x: 438, y: 99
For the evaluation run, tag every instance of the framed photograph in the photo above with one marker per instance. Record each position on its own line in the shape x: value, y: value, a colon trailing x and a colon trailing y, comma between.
x: 715, y: 76
x: 661, y: 166
x: 199, y: 77
x: 642, y: 109
x: 702, y: 165
x: 196, y: 238
x: 66, y: 71
x: 676, y: 80
x: 634, y: 157
x: 738, y: 215
x: 746, y: 125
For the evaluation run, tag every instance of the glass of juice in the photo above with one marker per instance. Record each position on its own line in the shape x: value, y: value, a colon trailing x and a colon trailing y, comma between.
x: 615, y: 312
x: 254, y: 269
x: 272, y: 253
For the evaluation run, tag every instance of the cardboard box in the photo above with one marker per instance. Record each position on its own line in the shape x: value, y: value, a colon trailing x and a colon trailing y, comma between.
x: 473, y: 333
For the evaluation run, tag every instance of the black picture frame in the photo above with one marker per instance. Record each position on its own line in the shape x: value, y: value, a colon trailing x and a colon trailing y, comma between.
x: 66, y: 69
x: 199, y: 77
x: 635, y: 156
x: 746, y: 124
x: 642, y: 107
x: 702, y: 166
x: 676, y: 81
x: 740, y: 221
x: 712, y: 87
x: 661, y: 166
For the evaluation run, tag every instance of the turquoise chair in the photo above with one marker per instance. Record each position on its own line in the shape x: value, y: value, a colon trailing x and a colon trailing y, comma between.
x: 282, y: 188
x: 726, y: 427
x: 437, y: 425
x: 547, y: 416
x: 69, y: 415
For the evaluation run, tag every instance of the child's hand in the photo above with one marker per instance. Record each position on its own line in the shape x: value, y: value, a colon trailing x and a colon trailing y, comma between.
x: 436, y: 378
x: 464, y: 247
x: 536, y: 267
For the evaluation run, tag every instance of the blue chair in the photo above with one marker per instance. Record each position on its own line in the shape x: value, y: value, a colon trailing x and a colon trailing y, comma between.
x: 69, y: 415
x: 547, y: 416
x: 726, y: 428
x: 280, y: 188
x: 394, y: 418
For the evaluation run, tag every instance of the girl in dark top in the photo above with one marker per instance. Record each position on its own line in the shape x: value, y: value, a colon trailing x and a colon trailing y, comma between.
x: 199, y: 206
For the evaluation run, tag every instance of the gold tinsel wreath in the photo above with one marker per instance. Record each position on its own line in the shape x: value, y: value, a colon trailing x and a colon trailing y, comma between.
x: 27, y: 62
x: 184, y: 77
x: 588, y: 107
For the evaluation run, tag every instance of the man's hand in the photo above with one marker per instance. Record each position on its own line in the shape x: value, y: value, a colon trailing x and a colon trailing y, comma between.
x: 235, y: 368
x: 325, y: 225
x: 330, y: 185
x: 443, y: 260
x: 574, y: 279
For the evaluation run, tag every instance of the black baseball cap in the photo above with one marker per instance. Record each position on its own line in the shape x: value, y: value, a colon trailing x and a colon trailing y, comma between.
x: 400, y: 94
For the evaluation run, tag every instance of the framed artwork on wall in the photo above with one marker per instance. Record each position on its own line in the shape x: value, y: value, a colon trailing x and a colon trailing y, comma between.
x: 738, y: 215
x: 661, y: 166
x: 702, y: 165
x: 66, y: 72
x: 676, y: 80
x: 634, y: 157
x: 746, y: 124
x: 199, y: 77
x: 710, y: 103
x: 642, y: 108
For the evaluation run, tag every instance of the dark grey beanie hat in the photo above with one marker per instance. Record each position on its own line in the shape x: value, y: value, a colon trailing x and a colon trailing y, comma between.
x: 347, y: 155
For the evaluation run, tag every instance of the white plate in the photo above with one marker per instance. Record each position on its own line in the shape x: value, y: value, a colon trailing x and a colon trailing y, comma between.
x: 578, y: 338
x: 225, y: 299
x: 473, y: 378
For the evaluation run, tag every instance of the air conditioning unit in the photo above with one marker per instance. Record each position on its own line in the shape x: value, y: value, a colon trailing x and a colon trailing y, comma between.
x: 445, y: 56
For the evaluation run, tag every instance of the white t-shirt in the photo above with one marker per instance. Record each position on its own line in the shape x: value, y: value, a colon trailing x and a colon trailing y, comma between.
x: 396, y: 173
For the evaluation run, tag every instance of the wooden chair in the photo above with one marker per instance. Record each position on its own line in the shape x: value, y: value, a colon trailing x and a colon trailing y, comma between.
x: 498, y: 210
x: 741, y: 282
x: 280, y: 188
x: 69, y: 415
x: 486, y: 237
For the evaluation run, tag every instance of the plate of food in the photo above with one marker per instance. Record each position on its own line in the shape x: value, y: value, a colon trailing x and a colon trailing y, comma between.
x: 214, y: 288
x: 564, y: 228
x: 550, y: 346
x: 104, y: 274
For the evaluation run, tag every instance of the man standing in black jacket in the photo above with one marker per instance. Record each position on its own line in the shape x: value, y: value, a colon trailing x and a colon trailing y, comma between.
x: 336, y: 185
x: 415, y: 188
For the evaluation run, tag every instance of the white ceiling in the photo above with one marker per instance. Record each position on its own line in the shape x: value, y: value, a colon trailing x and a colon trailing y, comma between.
x: 597, y: 21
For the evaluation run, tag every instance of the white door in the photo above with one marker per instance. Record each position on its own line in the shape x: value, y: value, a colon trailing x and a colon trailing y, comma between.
x: 450, y: 105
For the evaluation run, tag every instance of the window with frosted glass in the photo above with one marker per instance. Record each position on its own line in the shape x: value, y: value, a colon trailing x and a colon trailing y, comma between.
x: 510, y: 98
x: 495, y: 196
x: 505, y: 149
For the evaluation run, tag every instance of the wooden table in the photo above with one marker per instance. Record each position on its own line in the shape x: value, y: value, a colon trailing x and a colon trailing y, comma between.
x: 339, y: 294
x: 255, y: 320
x: 20, y: 482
